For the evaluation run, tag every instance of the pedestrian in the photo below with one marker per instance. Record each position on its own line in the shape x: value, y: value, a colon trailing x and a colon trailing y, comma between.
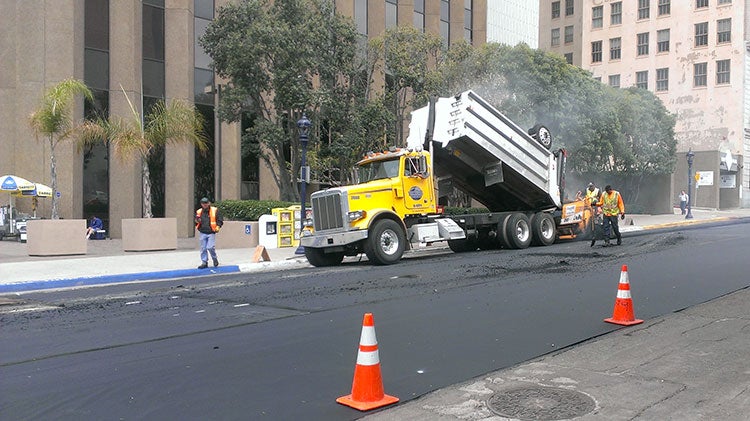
x: 592, y: 197
x: 208, y: 222
x: 683, y: 201
x: 612, y: 206
x: 94, y: 226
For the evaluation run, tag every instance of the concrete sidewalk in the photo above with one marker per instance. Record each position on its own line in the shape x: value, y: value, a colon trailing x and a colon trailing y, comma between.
x: 106, y: 262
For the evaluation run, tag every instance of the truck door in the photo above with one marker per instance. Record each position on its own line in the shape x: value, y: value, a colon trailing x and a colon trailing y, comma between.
x: 417, y: 183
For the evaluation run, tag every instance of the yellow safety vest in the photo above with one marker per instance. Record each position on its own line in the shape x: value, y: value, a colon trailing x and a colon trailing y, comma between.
x: 612, y: 203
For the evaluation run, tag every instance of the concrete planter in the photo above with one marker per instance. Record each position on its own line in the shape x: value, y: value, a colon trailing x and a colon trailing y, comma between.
x: 148, y: 234
x: 237, y: 234
x: 56, y: 237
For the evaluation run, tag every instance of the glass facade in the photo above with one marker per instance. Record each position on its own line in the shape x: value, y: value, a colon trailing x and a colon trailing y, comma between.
x: 154, y: 90
x: 513, y: 21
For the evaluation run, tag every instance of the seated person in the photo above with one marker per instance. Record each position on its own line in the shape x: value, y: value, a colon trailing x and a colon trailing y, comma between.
x: 94, y: 225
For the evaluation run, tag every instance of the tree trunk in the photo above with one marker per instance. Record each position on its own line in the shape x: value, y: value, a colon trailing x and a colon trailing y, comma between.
x: 146, y: 179
x: 53, y: 177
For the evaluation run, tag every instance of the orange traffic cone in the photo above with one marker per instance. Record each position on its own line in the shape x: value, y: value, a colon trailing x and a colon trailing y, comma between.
x: 367, y: 387
x: 623, y: 312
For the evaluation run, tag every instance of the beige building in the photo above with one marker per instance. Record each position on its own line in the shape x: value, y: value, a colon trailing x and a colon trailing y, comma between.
x: 692, y: 54
x: 149, y: 50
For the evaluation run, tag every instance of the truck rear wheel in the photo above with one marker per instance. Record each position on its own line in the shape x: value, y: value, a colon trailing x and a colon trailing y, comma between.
x: 518, y: 231
x: 386, y: 242
x: 319, y: 258
x: 543, y: 230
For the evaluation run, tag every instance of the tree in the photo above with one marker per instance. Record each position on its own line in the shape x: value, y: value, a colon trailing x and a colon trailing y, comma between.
x: 54, y: 120
x: 283, y: 58
x: 170, y: 122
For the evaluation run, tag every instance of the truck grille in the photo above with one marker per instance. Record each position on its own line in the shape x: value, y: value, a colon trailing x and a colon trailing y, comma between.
x: 327, y: 211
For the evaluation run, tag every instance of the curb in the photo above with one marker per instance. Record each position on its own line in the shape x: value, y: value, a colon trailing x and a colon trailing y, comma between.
x: 114, y: 279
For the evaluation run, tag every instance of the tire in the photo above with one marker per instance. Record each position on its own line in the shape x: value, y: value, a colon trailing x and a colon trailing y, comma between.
x: 385, y: 243
x: 542, y: 135
x: 518, y: 231
x: 319, y: 258
x: 543, y: 229
x: 502, y: 232
x: 462, y: 246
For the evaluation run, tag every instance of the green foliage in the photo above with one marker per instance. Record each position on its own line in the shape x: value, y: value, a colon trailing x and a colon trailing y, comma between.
x: 249, y: 210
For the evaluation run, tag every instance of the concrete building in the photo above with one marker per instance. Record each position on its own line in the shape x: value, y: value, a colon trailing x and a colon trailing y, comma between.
x: 148, y: 50
x: 513, y: 21
x: 692, y: 54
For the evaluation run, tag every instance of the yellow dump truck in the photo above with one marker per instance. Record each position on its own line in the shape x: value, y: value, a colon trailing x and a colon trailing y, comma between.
x: 459, y: 141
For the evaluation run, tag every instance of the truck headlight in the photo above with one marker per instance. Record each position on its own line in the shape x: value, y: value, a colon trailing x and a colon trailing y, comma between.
x: 356, y: 215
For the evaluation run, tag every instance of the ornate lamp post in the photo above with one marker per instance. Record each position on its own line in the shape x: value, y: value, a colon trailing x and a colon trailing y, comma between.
x: 303, y: 125
x: 690, y: 155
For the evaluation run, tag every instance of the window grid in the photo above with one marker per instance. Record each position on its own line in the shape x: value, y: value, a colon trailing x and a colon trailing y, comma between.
x: 597, y: 16
x: 616, y: 13
x: 555, y: 9
x: 700, y: 74
x: 699, y: 4
x: 664, y: 7
x: 725, y: 1
x: 644, y: 9
x: 641, y: 79
x: 723, y: 31
x: 615, y: 48
x: 555, y: 37
x: 722, y: 72
x: 701, y: 34
x: 569, y: 58
x: 614, y: 81
x: 569, y: 34
x: 662, y: 40
x: 662, y: 79
x: 596, y: 52
x: 642, y: 49
x: 568, y: 7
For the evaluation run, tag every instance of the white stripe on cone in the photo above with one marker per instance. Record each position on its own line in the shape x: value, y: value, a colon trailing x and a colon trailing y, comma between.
x: 368, y: 336
x: 368, y: 358
x: 623, y: 293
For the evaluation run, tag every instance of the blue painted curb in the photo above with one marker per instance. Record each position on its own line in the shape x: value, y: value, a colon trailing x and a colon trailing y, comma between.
x: 113, y: 279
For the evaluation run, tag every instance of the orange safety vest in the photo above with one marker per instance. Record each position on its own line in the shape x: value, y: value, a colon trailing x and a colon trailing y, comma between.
x: 612, y: 203
x: 211, y: 216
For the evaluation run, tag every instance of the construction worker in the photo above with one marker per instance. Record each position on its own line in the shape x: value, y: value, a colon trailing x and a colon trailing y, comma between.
x: 592, y: 193
x: 592, y: 197
x: 612, y: 205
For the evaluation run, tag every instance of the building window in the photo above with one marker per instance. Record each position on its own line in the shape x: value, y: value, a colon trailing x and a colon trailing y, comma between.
x: 555, y: 39
x: 725, y: 1
x: 569, y: 34
x: 469, y: 21
x: 723, y: 31
x: 445, y: 21
x: 644, y: 9
x: 642, y: 49
x: 615, y: 48
x: 419, y: 14
x: 615, y: 15
x: 662, y: 79
x: 662, y: 40
x: 360, y: 16
x: 699, y: 4
x: 568, y: 7
x: 614, y: 81
x: 722, y: 72
x: 596, y: 52
x: 569, y: 58
x: 391, y: 13
x: 700, y: 74
x: 701, y: 34
x: 555, y: 9
x: 664, y: 7
x: 641, y: 79
x: 597, y: 16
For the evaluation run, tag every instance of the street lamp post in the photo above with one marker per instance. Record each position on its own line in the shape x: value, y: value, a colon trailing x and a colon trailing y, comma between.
x: 690, y: 155
x: 303, y: 125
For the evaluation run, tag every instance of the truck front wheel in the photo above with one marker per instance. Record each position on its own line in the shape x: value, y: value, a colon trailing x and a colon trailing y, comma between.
x: 386, y: 242
x: 319, y: 258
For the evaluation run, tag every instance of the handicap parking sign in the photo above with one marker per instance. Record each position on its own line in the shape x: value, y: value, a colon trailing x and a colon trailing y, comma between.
x: 248, y: 229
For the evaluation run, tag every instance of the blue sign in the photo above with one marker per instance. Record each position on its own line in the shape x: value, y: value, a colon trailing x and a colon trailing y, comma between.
x: 57, y: 194
x: 248, y: 229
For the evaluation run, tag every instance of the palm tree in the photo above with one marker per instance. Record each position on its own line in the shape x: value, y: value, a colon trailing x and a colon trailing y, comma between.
x: 53, y: 120
x: 169, y: 122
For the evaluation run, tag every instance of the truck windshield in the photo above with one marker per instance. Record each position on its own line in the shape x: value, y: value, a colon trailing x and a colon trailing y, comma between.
x: 377, y: 170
